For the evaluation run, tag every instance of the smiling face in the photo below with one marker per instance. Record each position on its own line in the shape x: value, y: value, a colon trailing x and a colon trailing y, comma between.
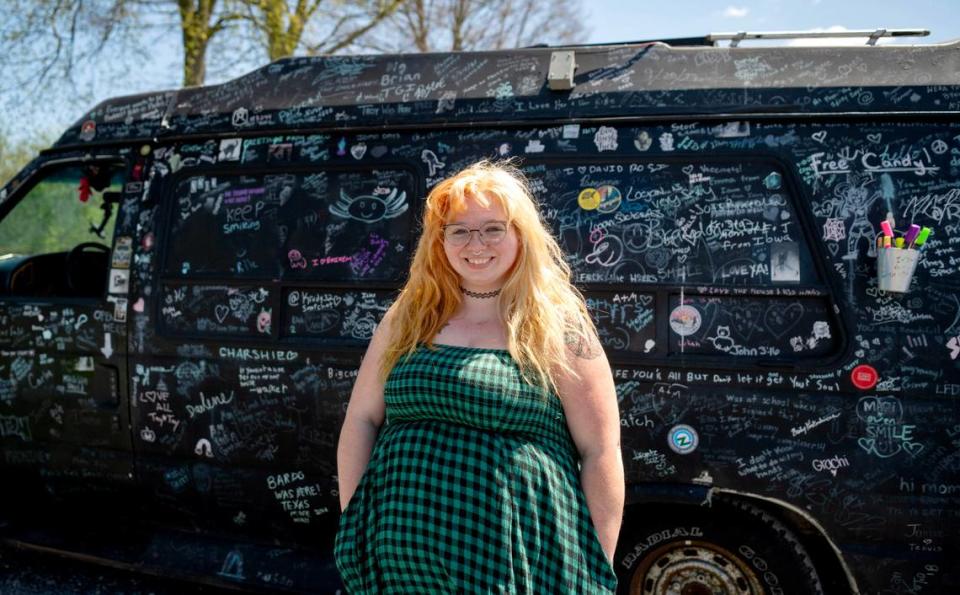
x: 482, y: 268
x: 367, y: 208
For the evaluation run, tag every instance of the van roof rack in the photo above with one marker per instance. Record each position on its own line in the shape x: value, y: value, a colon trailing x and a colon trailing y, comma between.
x: 710, y: 40
x: 872, y: 34
x: 671, y: 41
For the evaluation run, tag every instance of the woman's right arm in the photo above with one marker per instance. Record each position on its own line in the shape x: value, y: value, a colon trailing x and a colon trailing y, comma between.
x: 365, y: 414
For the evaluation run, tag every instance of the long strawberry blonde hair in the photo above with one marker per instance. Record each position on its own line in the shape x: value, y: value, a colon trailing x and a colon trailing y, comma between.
x: 544, y: 314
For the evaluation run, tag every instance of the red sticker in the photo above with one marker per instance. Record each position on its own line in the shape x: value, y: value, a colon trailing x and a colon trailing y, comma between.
x: 88, y: 130
x: 864, y: 377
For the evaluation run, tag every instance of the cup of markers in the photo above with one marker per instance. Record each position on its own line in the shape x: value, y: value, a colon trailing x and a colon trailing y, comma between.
x: 897, y: 257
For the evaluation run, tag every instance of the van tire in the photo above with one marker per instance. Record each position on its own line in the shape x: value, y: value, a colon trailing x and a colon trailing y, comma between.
x: 731, y: 547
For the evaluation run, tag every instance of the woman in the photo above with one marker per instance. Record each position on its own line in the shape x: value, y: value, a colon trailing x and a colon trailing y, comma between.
x: 493, y: 385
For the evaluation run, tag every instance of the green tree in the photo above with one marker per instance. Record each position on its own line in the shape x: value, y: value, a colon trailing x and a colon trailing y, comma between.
x: 314, y: 26
x: 199, y: 24
x: 457, y: 25
x: 44, y: 42
x: 14, y: 156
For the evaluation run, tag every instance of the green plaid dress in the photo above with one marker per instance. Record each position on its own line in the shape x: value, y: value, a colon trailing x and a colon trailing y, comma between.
x: 473, y: 486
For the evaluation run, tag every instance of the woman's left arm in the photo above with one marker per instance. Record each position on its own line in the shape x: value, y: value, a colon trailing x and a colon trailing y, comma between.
x: 593, y: 416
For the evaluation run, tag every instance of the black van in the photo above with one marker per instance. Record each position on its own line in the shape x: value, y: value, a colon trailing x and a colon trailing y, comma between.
x: 176, y: 358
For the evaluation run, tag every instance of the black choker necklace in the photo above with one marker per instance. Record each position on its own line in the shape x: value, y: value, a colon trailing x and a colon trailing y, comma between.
x: 478, y: 295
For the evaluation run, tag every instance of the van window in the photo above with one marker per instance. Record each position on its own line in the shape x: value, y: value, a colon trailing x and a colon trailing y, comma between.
x: 675, y: 222
x: 624, y: 321
x: 768, y: 328
x: 216, y: 310
x: 712, y: 251
x: 55, y: 240
x: 331, y: 225
x: 52, y: 218
x: 335, y: 315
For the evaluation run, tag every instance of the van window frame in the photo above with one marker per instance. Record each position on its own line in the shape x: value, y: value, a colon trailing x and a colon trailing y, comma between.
x: 280, y: 286
x: 827, y: 288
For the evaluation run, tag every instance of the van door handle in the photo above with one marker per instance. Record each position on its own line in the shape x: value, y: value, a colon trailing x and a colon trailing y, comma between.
x: 106, y: 386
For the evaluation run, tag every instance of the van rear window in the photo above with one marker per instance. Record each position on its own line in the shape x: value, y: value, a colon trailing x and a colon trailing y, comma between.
x: 690, y: 257
x: 336, y: 225
x: 674, y: 222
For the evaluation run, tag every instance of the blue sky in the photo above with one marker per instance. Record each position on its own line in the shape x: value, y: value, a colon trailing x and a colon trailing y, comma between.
x: 624, y: 20
x: 607, y: 21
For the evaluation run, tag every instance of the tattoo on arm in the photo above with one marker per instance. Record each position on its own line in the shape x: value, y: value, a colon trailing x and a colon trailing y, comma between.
x: 582, y: 347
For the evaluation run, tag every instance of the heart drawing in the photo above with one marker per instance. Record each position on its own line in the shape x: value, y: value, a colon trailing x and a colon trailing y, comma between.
x: 221, y: 312
x: 780, y: 320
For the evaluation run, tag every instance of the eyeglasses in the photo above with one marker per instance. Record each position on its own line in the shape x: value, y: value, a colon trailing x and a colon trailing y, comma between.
x: 491, y: 232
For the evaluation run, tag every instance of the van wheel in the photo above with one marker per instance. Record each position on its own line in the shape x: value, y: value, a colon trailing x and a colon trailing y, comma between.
x: 730, y: 548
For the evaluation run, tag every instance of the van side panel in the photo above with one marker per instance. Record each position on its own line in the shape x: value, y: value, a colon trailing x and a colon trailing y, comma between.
x: 762, y: 239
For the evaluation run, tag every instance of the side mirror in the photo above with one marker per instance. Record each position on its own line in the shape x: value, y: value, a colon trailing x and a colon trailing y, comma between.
x: 109, y: 199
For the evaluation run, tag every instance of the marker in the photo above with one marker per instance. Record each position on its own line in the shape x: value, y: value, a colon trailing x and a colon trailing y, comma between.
x: 922, y: 238
x: 911, y: 234
x: 879, y: 241
x: 886, y: 241
x: 900, y: 242
x: 887, y: 230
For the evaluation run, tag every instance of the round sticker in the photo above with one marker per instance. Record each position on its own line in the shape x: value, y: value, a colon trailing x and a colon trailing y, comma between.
x: 683, y: 439
x: 685, y: 320
x: 773, y: 181
x: 589, y: 199
x: 88, y: 130
x: 864, y: 377
x: 610, y: 198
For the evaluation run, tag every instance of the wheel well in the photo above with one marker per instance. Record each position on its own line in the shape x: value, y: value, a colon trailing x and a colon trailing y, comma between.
x: 826, y: 558
x: 834, y: 576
